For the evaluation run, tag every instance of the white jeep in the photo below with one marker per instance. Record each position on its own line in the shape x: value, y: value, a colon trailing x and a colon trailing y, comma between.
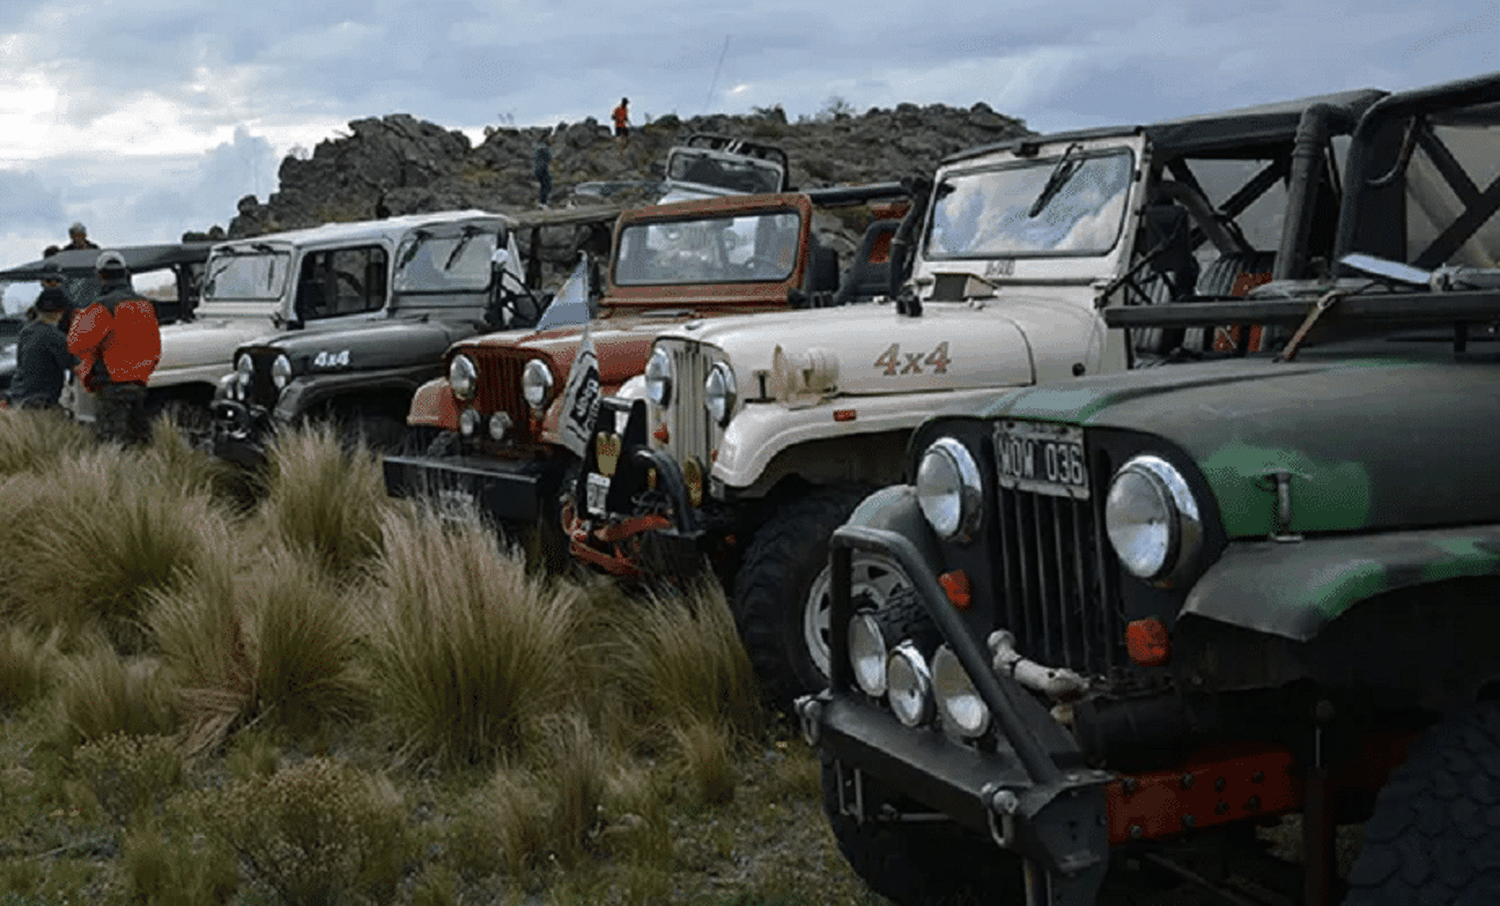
x: 750, y: 438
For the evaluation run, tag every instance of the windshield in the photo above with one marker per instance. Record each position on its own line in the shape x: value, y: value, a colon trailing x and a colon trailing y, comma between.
x: 751, y: 176
x: 755, y: 247
x: 1080, y: 205
x: 442, y: 264
x: 259, y: 275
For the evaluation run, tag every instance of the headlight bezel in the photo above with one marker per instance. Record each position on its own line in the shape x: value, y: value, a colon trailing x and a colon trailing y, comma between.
x: 1179, y: 540
x: 868, y: 652
x: 659, y: 377
x: 720, y: 401
x: 463, y: 377
x: 953, y: 690
x: 913, y: 705
x: 281, y: 371
x: 244, y: 376
x: 538, y: 386
x: 965, y: 496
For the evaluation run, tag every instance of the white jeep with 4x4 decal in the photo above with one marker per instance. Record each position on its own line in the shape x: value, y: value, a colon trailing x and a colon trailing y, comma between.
x: 749, y: 439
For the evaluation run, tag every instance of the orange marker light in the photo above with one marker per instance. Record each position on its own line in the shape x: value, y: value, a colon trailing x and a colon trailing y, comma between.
x: 845, y: 415
x: 956, y: 584
x: 662, y: 434
x: 1148, y: 642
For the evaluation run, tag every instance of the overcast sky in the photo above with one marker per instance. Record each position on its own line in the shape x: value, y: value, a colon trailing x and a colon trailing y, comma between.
x: 145, y: 118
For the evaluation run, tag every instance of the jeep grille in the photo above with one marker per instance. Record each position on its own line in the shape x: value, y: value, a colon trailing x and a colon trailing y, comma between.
x: 1060, y: 595
x: 500, y: 387
x: 262, y: 393
x: 689, y: 426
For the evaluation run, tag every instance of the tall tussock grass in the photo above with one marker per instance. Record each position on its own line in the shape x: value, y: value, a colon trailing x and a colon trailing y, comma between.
x: 324, y: 497
x: 89, y: 542
x: 99, y: 694
x: 469, y: 651
x: 278, y: 644
x: 26, y: 663
x: 33, y: 441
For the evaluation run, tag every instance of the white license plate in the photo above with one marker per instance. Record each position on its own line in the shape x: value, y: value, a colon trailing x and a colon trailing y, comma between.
x: 1043, y: 458
x: 595, y: 491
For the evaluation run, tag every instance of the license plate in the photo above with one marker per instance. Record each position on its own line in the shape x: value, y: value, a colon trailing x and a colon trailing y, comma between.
x: 595, y: 490
x: 1046, y: 459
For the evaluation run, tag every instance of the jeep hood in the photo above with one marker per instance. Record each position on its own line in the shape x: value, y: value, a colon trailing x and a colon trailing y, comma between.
x: 209, y: 341
x: 373, y: 345
x: 1006, y: 342
x: 622, y: 343
x: 1374, y: 443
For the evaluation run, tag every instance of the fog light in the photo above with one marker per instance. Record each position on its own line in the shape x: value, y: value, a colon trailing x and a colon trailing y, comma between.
x: 909, y: 683
x: 961, y: 705
x: 468, y: 422
x: 867, y: 653
x: 500, y: 425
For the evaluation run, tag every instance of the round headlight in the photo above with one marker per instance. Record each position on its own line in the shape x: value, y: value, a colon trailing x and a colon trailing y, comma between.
x: 1152, y: 518
x: 281, y: 371
x: 949, y: 490
x: 244, y: 374
x: 468, y: 422
x: 719, y: 393
x: 909, y: 683
x: 463, y: 377
x: 536, y: 384
x: 867, y: 653
x: 961, y: 706
x: 659, y: 377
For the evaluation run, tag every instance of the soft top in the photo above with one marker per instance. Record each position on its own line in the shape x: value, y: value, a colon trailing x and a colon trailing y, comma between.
x: 139, y: 258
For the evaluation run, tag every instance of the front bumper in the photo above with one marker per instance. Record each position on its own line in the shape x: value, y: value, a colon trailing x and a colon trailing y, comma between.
x: 1032, y: 794
x: 507, y: 491
x: 240, y: 432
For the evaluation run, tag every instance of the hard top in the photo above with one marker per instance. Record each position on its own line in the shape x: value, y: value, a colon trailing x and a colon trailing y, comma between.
x: 1239, y: 130
x: 138, y: 258
x: 391, y: 228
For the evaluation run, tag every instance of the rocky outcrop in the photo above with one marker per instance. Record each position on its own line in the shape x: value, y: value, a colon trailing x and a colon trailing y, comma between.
x: 398, y: 164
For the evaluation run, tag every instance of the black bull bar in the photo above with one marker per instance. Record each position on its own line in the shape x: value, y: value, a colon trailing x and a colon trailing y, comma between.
x: 1035, y: 797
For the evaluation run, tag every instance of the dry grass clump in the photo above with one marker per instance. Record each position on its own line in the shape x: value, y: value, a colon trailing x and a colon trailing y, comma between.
x: 323, y: 497
x: 279, y: 645
x: 25, y: 662
x: 682, y: 666
x: 100, y: 694
x: 35, y: 441
x: 163, y: 864
x: 89, y: 543
x: 316, y: 831
x: 469, y: 652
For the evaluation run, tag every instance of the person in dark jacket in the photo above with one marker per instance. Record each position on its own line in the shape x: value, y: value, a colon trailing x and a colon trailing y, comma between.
x: 42, y: 357
x: 118, y: 343
x: 541, y: 168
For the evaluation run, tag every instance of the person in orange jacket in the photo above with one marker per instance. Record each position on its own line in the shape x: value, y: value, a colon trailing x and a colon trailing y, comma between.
x: 621, y: 116
x: 118, y: 343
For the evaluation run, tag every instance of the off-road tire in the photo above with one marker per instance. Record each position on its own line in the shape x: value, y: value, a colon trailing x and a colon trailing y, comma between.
x: 1434, y: 836
x: 923, y: 864
x: 772, y: 588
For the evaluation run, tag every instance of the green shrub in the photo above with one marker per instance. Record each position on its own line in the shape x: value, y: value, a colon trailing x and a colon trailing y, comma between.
x: 316, y: 831
x: 469, y: 651
x: 278, y: 645
x: 129, y: 774
x: 323, y: 498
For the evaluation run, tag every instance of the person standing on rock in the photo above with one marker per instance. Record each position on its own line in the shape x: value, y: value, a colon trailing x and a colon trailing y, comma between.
x: 621, y: 116
x: 118, y: 343
x: 541, y: 167
x: 78, y: 237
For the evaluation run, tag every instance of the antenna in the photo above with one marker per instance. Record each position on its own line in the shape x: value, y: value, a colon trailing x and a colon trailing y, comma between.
x: 712, y: 84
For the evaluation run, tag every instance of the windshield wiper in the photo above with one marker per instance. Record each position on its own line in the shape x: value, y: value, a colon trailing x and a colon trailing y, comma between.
x: 1066, y: 169
x: 469, y: 233
x: 418, y: 238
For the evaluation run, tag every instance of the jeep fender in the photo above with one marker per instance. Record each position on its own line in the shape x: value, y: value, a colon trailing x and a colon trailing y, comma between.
x: 303, y: 394
x: 895, y: 509
x: 761, y: 431
x: 432, y: 406
x: 1295, y: 589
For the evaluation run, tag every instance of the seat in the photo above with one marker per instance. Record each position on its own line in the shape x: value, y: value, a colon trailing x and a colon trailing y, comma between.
x: 869, y: 274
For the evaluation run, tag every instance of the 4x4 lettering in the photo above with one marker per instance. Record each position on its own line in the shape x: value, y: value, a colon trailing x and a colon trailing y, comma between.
x: 326, y: 359
x: 890, y: 360
x: 938, y: 358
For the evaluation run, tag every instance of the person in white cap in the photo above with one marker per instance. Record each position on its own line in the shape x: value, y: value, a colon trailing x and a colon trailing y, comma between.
x: 118, y: 343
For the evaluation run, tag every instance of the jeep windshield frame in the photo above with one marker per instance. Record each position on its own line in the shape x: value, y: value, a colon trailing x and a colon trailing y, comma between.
x: 985, y: 212
x: 733, y: 247
x: 255, y: 273
x: 446, y: 262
